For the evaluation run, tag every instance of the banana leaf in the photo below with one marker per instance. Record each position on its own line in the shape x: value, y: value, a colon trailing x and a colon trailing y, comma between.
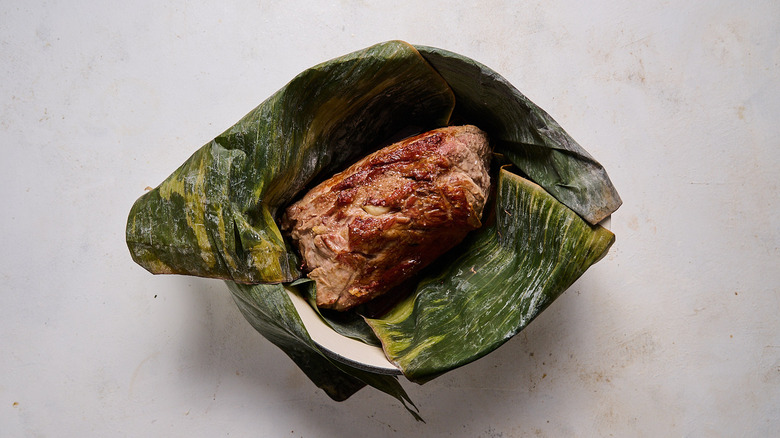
x: 494, y: 284
x: 216, y: 215
x: 527, y: 135
x: 269, y: 310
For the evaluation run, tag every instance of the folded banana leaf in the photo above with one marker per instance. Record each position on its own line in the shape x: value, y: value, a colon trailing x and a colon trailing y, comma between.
x: 269, y: 310
x: 527, y: 135
x: 492, y: 285
x: 216, y: 215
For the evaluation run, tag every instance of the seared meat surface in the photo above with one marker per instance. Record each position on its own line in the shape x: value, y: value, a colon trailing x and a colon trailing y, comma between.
x: 374, y: 225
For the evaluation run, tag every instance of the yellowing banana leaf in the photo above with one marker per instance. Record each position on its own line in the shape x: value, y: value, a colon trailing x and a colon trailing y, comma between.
x: 215, y: 215
x: 492, y: 285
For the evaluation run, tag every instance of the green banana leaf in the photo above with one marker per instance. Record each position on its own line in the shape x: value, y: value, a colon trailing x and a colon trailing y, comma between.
x: 492, y: 285
x: 527, y: 135
x: 216, y: 215
x: 270, y: 311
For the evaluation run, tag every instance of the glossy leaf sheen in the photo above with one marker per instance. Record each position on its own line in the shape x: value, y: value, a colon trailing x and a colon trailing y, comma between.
x: 504, y: 276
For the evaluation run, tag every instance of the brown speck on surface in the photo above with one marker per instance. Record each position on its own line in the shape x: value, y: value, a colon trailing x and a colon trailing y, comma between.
x: 147, y: 188
x: 15, y: 404
x: 633, y: 223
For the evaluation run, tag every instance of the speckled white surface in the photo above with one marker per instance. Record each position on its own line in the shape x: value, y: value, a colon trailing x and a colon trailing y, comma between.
x: 675, y: 333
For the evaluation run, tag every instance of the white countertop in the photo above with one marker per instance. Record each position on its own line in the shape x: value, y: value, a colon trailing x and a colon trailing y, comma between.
x: 675, y: 333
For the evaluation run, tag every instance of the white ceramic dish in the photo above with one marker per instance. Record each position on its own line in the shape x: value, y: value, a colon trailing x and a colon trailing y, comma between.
x: 341, y: 348
x: 350, y: 351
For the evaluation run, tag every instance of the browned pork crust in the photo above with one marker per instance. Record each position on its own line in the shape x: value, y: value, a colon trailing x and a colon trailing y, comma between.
x: 372, y: 226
